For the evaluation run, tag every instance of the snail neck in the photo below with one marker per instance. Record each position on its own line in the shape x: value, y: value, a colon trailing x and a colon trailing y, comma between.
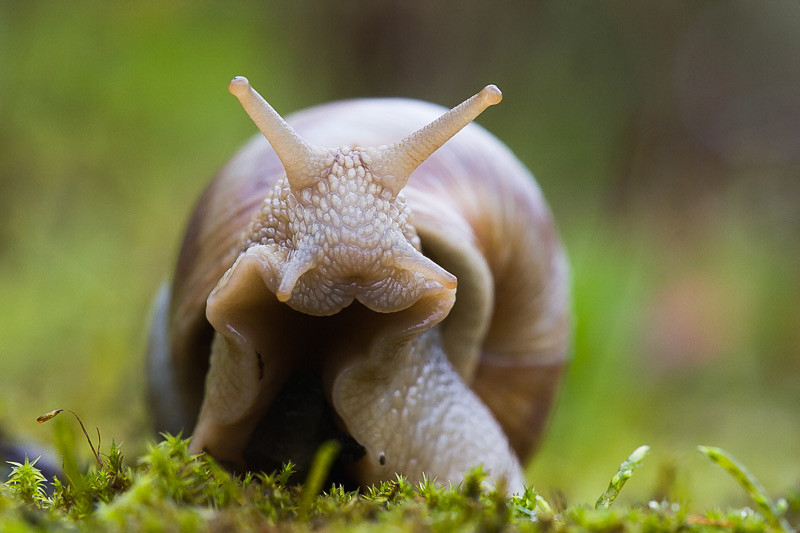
x: 415, y: 386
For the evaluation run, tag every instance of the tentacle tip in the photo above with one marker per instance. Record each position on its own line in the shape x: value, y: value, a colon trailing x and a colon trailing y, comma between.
x: 491, y: 94
x: 283, y: 296
x: 239, y: 85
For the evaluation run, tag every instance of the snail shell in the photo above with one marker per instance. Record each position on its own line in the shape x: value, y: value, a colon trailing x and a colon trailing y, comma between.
x: 405, y: 292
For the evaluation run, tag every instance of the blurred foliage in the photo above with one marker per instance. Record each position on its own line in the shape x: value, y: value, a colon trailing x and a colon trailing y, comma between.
x: 666, y: 136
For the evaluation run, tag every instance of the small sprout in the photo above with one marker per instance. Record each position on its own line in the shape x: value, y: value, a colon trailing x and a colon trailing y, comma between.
x: 773, y: 511
x: 27, y: 481
x: 286, y: 472
x: 620, y: 478
x: 320, y: 468
x: 529, y: 503
x: 471, y: 486
x: 52, y: 414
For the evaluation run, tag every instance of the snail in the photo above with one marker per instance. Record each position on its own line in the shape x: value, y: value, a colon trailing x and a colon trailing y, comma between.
x: 405, y: 292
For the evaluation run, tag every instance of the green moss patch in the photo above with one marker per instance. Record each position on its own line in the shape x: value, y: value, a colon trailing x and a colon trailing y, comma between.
x: 169, y: 489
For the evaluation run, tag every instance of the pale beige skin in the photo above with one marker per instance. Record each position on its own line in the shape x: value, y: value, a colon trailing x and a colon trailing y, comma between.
x: 426, y: 377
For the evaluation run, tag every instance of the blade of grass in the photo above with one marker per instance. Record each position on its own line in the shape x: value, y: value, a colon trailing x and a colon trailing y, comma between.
x: 317, y: 474
x: 620, y: 478
x: 771, y: 510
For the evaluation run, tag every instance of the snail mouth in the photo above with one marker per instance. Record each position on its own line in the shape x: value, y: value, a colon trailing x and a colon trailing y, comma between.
x: 316, y: 294
x: 286, y: 363
x: 304, y: 413
x: 301, y: 415
x: 298, y: 421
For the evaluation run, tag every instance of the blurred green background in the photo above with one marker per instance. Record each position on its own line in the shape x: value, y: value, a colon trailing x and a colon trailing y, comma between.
x: 666, y: 136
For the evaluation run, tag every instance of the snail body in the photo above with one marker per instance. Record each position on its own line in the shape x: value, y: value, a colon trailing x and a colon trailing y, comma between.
x: 416, y: 287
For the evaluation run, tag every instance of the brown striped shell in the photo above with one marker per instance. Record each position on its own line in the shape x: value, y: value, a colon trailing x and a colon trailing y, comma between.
x: 478, y: 215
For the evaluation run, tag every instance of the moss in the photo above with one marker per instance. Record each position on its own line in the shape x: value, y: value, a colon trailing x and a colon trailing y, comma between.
x: 170, y: 489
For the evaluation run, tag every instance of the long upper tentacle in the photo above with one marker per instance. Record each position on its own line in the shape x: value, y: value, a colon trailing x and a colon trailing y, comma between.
x: 397, y: 161
x: 302, y: 161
